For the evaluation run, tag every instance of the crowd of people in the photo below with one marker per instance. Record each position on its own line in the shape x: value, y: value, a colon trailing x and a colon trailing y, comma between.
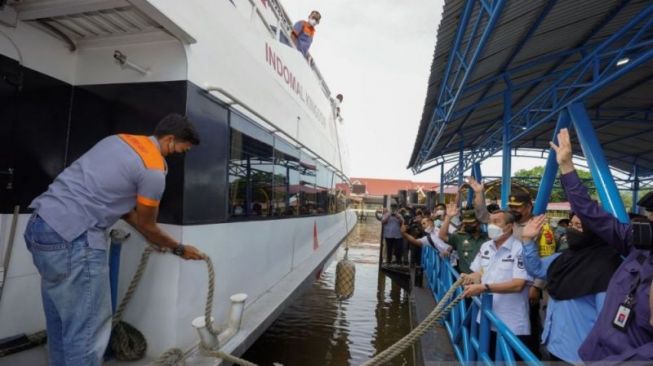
x: 586, y: 299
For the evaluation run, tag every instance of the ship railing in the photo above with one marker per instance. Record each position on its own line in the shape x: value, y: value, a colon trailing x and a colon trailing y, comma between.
x: 471, y: 339
x: 281, y: 32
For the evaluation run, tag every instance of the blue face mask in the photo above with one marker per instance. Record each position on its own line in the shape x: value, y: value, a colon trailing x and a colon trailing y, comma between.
x: 438, y: 223
x: 561, y: 230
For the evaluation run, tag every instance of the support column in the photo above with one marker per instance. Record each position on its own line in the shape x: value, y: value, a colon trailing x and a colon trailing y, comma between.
x: 441, y: 198
x: 461, y: 158
x: 551, y: 168
x: 506, y: 183
x: 634, y: 208
x: 476, y: 173
x: 607, y: 189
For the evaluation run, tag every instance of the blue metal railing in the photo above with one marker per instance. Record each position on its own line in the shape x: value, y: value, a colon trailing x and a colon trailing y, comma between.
x: 471, y: 339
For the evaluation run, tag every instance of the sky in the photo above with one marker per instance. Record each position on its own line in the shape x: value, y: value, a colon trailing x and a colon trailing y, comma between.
x: 378, y: 54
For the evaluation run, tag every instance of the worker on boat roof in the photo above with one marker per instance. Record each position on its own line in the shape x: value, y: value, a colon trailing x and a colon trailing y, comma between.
x: 122, y: 176
x: 304, y: 30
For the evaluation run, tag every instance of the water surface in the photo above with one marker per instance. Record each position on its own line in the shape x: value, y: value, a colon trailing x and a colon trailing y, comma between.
x: 320, y: 330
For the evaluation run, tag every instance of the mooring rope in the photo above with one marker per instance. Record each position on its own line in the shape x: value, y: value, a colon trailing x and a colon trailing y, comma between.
x: 437, y: 314
x: 127, y: 341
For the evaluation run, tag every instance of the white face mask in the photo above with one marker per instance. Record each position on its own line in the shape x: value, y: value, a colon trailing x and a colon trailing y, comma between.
x: 312, y: 22
x: 439, y: 213
x: 438, y: 223
x: 429, y: 229
x: 494, y: 232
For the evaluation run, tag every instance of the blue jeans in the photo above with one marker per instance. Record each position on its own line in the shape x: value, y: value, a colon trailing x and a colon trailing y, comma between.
x: 75, y: 292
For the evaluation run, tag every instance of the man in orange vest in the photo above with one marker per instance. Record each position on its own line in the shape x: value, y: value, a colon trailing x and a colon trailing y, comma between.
x: 304, y: 30
x: 122, y: 176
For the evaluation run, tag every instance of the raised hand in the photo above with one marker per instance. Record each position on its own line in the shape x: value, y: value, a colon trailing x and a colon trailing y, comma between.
x: 563, y: 151
x: 476, y: 186
x: 452, y: 209
x: 533, y: 228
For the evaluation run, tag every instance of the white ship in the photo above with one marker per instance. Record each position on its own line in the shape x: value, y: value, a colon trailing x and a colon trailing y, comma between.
x: 263, y: 195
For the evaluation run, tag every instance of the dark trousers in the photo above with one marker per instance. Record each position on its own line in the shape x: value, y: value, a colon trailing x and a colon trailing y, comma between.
x: 533, y: 341
x: 393, y: 246
x: 415, y: 255
x: 493, y: 345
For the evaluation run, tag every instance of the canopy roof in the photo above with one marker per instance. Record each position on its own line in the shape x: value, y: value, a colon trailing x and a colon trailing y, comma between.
x: 567, y: 51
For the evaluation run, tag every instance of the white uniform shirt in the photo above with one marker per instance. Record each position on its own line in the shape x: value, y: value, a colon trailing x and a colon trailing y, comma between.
x: 439, y: 244
x: 504, y: 265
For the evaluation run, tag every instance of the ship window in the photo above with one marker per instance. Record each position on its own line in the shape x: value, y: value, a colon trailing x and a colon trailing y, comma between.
x: 341, y: 194
x: 250, y: 176
x: 286, y: 179
x: 323, y: 186
x: 307, y: 191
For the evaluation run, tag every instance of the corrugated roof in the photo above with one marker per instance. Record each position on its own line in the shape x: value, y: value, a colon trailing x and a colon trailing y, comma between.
x: 565, y: 25
x: 380, y: 187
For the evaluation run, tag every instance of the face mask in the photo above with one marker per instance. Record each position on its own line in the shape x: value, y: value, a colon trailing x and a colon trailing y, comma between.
x: 439, y: 213
x: 517, y: 215
x: 429, y: 229
x: 438, y: 223
x: 312, y: 22
x: 579, y: 239
x: 561, y: 230
x: 494, y: 232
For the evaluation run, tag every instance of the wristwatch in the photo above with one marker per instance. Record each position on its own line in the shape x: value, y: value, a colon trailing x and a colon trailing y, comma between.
x: 179, y: 250
x: 487, y: 288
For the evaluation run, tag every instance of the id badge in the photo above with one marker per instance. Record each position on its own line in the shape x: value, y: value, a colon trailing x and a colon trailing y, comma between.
x: 621, y: 319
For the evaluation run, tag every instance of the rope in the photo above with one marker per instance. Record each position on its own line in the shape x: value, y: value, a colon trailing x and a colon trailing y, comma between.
x: 437, y: 314
x: 127, y: 343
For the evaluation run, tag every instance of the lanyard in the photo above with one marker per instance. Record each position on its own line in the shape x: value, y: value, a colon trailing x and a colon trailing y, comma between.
x: 630, y: 298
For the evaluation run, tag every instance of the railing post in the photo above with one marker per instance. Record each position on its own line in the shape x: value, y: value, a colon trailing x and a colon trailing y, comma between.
x: 474, y: 330
x: 551, y: 168
x: 484, y: 332
x: 506, y: 158
x: 607, y: 189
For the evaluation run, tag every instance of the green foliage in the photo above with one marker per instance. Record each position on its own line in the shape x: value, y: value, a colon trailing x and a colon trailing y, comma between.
x: 532, y: 177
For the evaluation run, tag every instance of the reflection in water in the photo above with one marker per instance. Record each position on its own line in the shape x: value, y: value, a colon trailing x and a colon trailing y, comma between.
x: 320, y: 330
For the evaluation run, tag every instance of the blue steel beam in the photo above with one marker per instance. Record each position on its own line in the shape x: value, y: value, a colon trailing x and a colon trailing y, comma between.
x: 634, y: 208
x: 550, y: 169
x: 441, y: 198
x: 549, y: 103
x: 476, y: 173
x: 451, y: 94
x: 608, y: 193
x: 564, y: 55
x: 506, y: 184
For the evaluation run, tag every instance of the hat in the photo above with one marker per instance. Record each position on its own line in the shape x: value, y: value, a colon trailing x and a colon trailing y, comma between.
x: 469, y: 217
x: 646, y: 201
x: 519, y: 198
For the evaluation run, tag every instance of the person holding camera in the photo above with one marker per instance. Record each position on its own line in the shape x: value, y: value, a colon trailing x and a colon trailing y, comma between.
x: 392, y: 234
x: 623, y: 330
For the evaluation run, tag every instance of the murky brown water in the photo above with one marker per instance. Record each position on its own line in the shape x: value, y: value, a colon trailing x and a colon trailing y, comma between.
x: 320, y: 330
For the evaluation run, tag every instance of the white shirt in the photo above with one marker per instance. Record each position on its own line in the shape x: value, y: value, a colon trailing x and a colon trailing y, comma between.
x: 503, y: 265
x: 440, y: 245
